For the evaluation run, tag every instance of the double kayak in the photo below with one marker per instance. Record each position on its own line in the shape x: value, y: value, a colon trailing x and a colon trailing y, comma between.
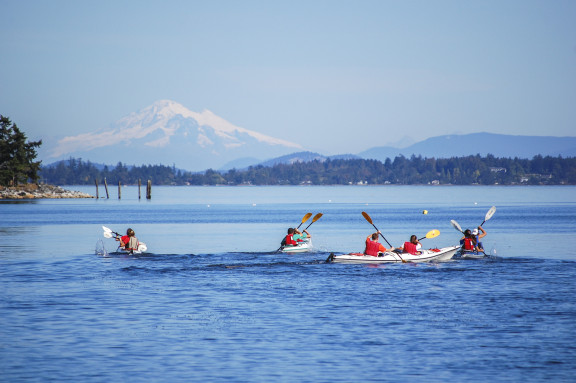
x: 429, y: 255
x: 463, y: 254
x: 301, y: 247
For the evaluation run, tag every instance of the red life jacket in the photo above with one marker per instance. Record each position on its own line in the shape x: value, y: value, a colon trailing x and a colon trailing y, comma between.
x: 290, y: 241
x: 125, y: 240
x: 409, y: 247
x: 469, y: 244
x: 372, y: 247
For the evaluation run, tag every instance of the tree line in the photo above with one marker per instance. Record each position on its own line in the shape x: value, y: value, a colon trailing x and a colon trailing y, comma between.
x: 467, y: 170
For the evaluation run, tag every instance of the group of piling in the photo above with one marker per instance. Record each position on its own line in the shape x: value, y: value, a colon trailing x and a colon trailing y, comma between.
x: 148, y: 189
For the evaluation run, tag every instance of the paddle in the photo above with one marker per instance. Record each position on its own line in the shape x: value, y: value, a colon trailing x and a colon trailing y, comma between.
x: 109, y: 231
x: 431, y: 234
x: 304, y: 219
x: 456, y: 226
x: 316, y: 218
x: 367, y: 217
x: 489, y: 214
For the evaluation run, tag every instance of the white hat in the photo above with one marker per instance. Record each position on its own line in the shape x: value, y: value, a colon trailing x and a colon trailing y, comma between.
x: 475, y: 232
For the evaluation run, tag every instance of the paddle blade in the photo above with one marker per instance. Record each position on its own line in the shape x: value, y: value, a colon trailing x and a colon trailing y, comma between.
x: 433, y: 233
x: 108, y: 235
x: 367, y: 217
x: 456, y: 226
x: 106, y: 229
x: 306, y: 217
x: 317, y: 217
x: 490, y: 213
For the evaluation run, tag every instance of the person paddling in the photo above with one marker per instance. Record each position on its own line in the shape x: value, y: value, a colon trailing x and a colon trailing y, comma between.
x: 478, y: 236
x: 129, y: 241
x: 373, y: 247
x: 289, y: 239
x: 413, y: 246
x: 468, y: 242
x: 301, y: 236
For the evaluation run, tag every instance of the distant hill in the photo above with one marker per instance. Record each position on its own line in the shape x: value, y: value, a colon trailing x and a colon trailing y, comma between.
x: 499, y: 145
x: 244, y: 163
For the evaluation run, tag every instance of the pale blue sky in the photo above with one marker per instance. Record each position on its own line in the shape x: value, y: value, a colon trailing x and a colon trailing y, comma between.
x: 337, y: 76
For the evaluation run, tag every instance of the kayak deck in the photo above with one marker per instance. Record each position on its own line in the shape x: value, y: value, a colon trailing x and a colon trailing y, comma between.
x: 429, y: 255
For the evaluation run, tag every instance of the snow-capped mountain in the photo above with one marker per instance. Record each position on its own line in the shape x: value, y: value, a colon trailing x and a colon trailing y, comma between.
x: 168, y: 133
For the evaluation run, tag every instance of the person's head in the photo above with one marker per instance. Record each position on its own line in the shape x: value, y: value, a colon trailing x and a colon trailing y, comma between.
x: 475, y: 232
x: 290, y: 230
x: 130, y: 232
x: 375, y: 236
x: 413, y: 238
x: 467, y: 233
x: 296, y: 231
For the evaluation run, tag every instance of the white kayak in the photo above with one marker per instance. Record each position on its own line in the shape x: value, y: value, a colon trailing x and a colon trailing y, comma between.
x: 141, y: 249
x: 429, y: 255
x: 301, y: 247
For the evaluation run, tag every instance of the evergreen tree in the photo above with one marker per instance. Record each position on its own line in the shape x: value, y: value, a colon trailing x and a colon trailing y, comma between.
x: 17, y: 155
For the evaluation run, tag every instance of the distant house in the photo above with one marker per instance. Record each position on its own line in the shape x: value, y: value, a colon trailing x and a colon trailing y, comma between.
x: 497, y: 170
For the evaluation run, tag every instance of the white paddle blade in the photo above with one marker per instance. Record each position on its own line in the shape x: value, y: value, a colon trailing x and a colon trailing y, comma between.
x: 456, y: 226
x: 106, y: 229
x: 490, y: 213
x: 142, y: 247
x: 108, y: 235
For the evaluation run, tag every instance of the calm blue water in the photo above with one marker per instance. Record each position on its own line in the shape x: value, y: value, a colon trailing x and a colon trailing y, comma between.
x: 212, y: 301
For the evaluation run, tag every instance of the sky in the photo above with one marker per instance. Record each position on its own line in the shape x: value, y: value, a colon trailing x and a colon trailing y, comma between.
x: 336, y: 76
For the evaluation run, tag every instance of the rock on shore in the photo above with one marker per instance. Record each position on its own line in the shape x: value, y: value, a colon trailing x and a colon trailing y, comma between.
x: 33, y: 191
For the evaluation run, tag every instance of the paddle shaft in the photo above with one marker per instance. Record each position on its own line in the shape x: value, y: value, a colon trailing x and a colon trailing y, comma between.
x: 381, y: 234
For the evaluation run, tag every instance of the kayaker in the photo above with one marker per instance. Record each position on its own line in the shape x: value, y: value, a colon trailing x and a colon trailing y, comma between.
x: 478, y: 236
x: 413, y: 246
x: 468, y: 242
x: 373, y: 247
x: 129, y: 241
x: 300, y: 236
x: 289, y: 239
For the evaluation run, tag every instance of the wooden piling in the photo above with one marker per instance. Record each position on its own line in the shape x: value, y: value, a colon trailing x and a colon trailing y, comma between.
x: 149, y: 190
x: 139, y: 185
x: 119, y: 190
x: 96, y: 183
x: 106, y: 187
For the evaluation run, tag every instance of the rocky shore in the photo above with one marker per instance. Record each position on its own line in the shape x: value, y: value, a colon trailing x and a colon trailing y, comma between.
x: 33, y: 191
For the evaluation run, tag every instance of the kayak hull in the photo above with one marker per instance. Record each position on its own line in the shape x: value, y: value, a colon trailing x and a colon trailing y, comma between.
x: 302, y: 247
x: 141, y: 249
x: 470, y: 255
x: 430, y: 255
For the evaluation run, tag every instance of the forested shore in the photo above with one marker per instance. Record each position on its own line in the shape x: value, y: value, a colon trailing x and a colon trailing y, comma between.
x: 415, y: 170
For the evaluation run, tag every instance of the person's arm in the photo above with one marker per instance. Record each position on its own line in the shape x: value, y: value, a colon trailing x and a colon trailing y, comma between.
x: 307, y: 234
x: 382, y: 249
x: 483, y: 234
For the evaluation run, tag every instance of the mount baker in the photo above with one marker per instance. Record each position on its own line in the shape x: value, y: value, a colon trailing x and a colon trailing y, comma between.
x: 167, y: 132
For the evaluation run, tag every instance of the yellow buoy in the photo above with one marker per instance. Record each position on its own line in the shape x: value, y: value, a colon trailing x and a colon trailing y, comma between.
x: 425, y: 212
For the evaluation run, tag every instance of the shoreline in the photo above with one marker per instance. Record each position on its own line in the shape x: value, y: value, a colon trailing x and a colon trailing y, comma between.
x: 33, y: 191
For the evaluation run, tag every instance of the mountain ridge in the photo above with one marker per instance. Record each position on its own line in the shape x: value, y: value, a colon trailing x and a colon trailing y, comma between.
x: 193, y: 140
x: 168, y: 132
